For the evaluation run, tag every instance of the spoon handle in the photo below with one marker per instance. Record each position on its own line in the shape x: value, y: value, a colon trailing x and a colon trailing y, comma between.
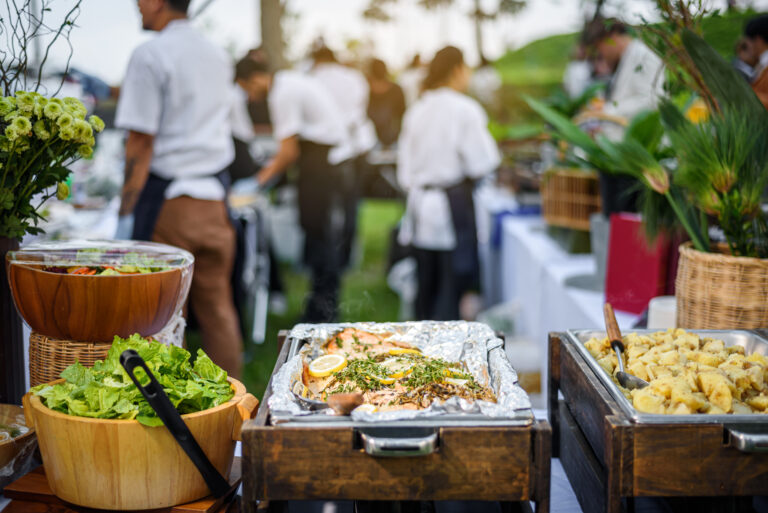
x: 611, y: 326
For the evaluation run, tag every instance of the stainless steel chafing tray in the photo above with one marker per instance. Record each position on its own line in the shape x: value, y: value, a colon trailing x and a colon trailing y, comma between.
x: 752, y: 342
x: 473, y: 343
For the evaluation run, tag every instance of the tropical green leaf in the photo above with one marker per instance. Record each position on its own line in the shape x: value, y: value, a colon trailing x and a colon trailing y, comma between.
x: 728, y: 87
x: 646, y: 129
x: 563, y: 126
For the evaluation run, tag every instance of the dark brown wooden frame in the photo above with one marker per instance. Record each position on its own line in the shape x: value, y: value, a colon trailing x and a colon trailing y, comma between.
x: 490, y: 464
x: 607, y: 457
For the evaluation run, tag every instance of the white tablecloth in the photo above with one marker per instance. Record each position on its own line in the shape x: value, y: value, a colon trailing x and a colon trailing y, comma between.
x: 533, y: 273
x: 490, y: 201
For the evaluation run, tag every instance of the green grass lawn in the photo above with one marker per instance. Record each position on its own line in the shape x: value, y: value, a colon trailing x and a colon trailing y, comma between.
x: 364, y: 295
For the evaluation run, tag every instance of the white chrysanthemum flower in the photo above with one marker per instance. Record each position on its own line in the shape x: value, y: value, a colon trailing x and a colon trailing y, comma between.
x: 7, y: 105
x: 25, y: 102
x: 67, y: 133
x: 22, y: 125
x: 11, y: 133
x: 97, y: 123
x: 40, y: 103
x: 41, y: 131
x: 75, y: 107
x: 85, y: 151
x: 53, y: 110
x: 65, y: 120
x: 83, y: 130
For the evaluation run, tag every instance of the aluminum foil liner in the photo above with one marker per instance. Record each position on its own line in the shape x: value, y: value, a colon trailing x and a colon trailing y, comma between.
x: 473, y: 343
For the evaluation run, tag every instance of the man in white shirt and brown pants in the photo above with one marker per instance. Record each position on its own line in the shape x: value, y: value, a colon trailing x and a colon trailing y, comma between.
x: 175, y: 103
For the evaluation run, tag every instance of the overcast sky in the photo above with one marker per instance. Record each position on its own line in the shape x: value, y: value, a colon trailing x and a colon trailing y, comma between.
x: 108, y: 30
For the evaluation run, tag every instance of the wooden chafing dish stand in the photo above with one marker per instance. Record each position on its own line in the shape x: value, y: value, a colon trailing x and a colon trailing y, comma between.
x: 610, y: 460
x: 450, y: 462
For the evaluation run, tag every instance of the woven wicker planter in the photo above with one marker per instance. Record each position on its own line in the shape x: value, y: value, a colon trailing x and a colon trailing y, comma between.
x: 719, y: 291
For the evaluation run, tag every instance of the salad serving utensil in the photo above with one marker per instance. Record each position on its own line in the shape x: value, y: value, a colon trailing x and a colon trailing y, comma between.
x: 158, y: 400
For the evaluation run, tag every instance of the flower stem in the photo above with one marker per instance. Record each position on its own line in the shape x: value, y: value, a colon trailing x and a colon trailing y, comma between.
x: 695, y: 235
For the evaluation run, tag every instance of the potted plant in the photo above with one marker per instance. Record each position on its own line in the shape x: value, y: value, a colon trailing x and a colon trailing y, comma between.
x: 715, y: 179
x: 35, y: 149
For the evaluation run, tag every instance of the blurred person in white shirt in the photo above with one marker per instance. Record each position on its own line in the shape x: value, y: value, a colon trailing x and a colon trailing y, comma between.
x: 444, y: 148
x: 636, y: 84
x: 312, y: 134
x: 350, y: 91
x: 243, y: 132
x: 485, y: 84
x: 637, y: 74
x: 410, y: 80
x: 577, y: 76
x: 175, y: 104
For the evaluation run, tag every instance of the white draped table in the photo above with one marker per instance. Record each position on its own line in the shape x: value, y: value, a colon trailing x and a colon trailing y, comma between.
x: 533, y: 273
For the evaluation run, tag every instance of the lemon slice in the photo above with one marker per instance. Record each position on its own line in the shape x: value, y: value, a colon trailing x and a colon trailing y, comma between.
x: 400, y: 350
x: 366, y: 408
x: 397, y: 368
x: 327, y: 365
x: 384, y: 380
x: 457, y: 382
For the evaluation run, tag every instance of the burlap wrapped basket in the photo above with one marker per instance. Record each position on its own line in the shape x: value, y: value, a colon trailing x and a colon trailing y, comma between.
x: 720, y: 291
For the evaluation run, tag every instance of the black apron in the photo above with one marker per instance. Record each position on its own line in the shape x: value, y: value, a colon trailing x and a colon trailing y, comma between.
x: 319, y: 196
x: 321, y: 215
x: 466, y: 261
x: 151, y: 202
x: 464, y: 258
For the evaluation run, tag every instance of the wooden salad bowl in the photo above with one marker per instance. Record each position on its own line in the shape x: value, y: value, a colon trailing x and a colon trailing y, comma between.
x: 95, y: 308
x: 124, y: 465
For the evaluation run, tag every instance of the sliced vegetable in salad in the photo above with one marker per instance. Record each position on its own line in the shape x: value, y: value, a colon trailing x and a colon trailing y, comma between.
x: 93, y: 262
x: 107, y: 392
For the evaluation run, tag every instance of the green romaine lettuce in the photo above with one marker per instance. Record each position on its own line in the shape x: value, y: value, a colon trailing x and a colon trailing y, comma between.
x: 105, y: 391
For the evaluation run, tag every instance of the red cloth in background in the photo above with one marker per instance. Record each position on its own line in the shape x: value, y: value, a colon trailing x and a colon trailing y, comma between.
x: 637, y: 272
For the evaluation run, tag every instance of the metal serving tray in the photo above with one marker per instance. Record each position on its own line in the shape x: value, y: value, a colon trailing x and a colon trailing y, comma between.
x: 521, y: 417
x: 752, y: 342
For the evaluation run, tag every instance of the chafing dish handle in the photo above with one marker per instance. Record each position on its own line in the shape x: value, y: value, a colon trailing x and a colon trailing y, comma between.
x: 399, y: 447
x: 748, y: 442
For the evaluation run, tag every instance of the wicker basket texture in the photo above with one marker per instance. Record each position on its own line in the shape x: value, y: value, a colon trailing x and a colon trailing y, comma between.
x: 569, y: 197
x: 49, y: 356
x: 720, y: 291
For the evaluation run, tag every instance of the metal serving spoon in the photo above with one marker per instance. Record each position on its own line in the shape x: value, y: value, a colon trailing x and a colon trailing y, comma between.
x: 625, y: 379
x: 342, y: 404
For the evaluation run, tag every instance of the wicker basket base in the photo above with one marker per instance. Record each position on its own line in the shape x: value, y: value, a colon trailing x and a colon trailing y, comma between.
x: 719, y: 291
x: 49, y: 356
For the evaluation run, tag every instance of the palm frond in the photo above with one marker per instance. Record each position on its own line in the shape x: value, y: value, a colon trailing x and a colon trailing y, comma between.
x: 730, y: 90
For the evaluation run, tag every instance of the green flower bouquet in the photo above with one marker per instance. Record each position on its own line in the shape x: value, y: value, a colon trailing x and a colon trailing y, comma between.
x: 39, y: 139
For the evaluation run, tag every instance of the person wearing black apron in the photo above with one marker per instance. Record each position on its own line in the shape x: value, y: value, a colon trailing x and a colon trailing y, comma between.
x: 444, y: 148
x: 175, y: 104
x: 350, y: 92
x: 312, y: 135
